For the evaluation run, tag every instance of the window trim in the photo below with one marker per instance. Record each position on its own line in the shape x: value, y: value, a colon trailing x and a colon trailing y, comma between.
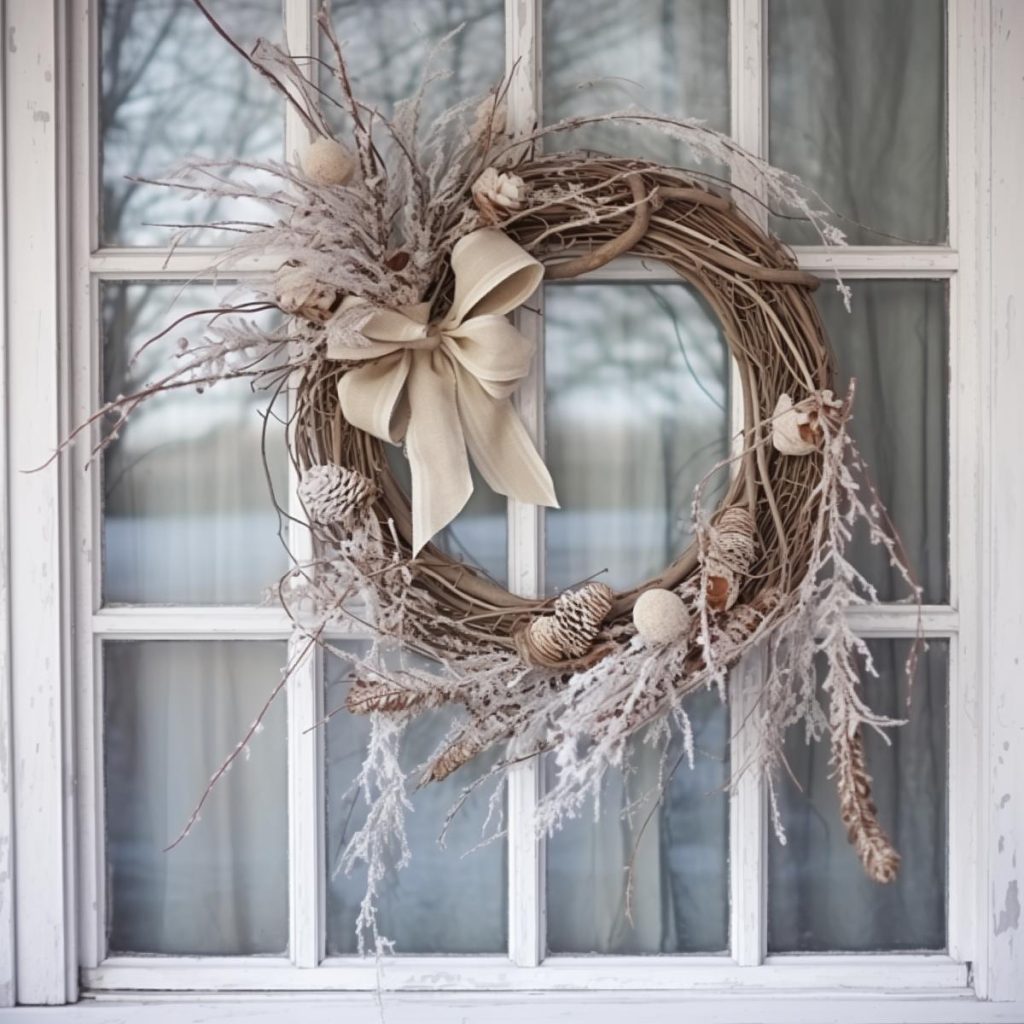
x: 57, y: 856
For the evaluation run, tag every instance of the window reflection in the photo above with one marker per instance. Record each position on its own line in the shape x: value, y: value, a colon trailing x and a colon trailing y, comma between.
x: 637, y: 414
x: 188, y: 516
x: 171, y: 89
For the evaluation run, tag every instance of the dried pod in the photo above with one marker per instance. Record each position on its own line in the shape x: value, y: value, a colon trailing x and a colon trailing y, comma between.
x: 498, y: 195
x: 298, y: 292
x: 334, y: 495
x: 796, y: 427
x: 328, y: 162
x: 729, y: 555
x: 660, y: 616
x: 792, y: 433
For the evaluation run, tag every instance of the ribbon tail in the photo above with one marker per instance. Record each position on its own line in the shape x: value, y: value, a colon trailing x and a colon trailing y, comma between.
x: 501, y: 447
x: 441, y: 481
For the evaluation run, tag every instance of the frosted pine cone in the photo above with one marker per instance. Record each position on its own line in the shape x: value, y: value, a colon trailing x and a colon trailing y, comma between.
x: 579, y: 615
x: 729, y: 556
x: 498, y: 196
x: 334, y: 495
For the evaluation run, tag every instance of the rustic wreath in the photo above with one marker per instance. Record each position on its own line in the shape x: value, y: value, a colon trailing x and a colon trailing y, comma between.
x: 399, y: 257
x: 773, y: 332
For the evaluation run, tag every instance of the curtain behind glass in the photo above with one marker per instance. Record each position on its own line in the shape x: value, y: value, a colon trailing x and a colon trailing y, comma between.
x: 173, y: 711
x: 857, y: 109
x: 819, y: 898
x: 188, y: 516
x: 679, y: 851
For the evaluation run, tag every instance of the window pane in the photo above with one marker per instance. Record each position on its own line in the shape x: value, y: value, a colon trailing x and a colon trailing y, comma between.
x: 172, y: 89
x: 819, y: 898
x: 896, y: 344
x: 388, y: 42
x: 681, y: 896
x: 857, y: 108
x: 637, y: 413
x: 443, y: 901
x: 188, y: 517
x: 173, y: 710
x: 670, y: 57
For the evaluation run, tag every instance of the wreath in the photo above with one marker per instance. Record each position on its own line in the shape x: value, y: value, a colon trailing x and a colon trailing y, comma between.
x: 402, y: 254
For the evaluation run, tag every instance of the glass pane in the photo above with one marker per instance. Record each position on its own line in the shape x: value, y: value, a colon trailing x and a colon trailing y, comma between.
x: 670, y: 56
x: 387, y: 43
x: 479, y: 533
x: 637, y: 413
x: 447, y: 900
x: 819, y: 898
x: 857, y: 108
x: 681, y: 866
x: 896, y: 344
x: 173, y: 710
x: 172, y: 89
x: 188, y: 516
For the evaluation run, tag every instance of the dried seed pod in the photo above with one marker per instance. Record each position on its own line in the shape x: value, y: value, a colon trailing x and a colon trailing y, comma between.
x: 498, y: 195
x: 729, y: 555
x: 334, y: 495
x: 796, y: 427
x: 660, y: 616
x: 298, y: 292
x: 328, y: 162
x: 368, y: 695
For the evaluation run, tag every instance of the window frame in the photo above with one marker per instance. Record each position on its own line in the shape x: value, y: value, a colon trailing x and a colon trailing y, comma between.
x: 52, y: 804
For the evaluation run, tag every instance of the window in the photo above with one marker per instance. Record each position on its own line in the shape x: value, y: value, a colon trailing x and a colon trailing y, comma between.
x: 173, y: 538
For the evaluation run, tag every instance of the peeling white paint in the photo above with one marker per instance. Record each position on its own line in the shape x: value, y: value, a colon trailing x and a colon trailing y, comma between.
x: 1008, y: 918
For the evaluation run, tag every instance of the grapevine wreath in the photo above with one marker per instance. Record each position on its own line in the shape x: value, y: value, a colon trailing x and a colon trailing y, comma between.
x: 402, y: 251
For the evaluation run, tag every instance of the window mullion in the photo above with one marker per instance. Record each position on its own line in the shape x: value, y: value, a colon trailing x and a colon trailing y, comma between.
x: 747, y: 831
x: 526, y: 932
x: 305, y: 742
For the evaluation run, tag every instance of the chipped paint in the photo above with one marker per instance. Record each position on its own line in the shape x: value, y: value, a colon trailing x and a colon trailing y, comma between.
x: 1009, y: 916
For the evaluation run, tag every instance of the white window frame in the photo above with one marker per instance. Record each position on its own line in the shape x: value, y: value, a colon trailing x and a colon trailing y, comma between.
x: 51, y: 827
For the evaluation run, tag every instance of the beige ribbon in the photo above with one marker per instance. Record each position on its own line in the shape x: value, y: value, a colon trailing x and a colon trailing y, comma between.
x: 446, y: 387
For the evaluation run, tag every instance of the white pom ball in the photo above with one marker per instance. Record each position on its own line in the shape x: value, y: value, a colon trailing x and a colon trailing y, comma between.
x: 660, y: 616
x: 328, y: 162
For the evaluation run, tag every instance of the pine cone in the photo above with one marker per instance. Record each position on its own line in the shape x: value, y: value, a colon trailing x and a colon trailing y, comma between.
x: 579, y: 615
x: 570, y: 632
x: 334, y: 495
x: 729, y: 556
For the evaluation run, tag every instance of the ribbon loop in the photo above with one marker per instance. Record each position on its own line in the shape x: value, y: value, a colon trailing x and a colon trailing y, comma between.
x: 444, y: 388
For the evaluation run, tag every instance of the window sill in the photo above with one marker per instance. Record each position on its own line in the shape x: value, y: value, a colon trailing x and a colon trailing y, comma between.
x: 720, y: 1007
x: 904, y: 975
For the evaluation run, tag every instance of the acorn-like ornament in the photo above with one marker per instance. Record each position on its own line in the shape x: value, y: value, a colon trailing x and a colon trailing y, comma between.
x: 660, y: 616
x: 328, y: 162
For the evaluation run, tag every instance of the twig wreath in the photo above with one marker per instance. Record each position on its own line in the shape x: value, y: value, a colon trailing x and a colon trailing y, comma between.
x: 401, y: 255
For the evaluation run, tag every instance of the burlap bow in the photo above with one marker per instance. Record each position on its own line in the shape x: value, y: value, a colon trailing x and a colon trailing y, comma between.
x: 446, y: 387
